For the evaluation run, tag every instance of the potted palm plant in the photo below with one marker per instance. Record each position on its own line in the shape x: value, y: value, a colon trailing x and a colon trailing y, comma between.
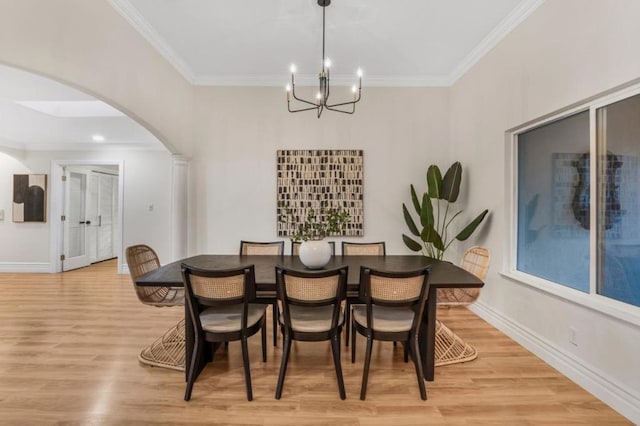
x: 434, y: 210
x: 315, y: 251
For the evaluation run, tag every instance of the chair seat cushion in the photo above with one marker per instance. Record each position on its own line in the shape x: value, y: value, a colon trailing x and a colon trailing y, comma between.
x: 311, y: 319
x: 224, y: 319
x: 385, y: 318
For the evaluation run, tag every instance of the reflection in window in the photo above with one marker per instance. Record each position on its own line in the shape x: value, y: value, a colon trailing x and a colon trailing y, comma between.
x: 618, y: 234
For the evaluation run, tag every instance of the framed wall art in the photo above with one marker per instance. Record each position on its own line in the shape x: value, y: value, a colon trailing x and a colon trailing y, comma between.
x: 320, y: 179
x: 29, y: 198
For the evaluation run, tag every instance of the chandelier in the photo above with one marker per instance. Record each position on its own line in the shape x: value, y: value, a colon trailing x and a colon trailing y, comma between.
x: 322, y: 97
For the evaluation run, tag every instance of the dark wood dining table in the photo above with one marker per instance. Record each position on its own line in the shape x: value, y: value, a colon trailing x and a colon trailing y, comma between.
x: 443, y: 275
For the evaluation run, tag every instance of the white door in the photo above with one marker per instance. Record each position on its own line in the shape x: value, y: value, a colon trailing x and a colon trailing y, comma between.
x: 105, y: 221
x: 75, y: 233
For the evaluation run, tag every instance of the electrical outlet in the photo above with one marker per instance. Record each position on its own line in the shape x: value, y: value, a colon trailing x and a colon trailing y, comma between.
x: 573, y: 338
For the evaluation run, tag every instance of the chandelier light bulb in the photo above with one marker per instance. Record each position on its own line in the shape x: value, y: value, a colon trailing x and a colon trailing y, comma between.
x: 359, y: 72
x: 327, y: 62
x: 319, y: 96
x: 354, y: 89
x: 293, y: 68
x: 288, y: 87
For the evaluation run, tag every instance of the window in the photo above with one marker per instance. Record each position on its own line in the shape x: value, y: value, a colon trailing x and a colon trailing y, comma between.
x: 560, y: 237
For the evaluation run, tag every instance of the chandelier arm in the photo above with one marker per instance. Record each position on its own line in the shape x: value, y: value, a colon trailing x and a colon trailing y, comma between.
x: 320, y: 109
x: 301, y: 109
x: 353, y: 109
x: 344, y: 103
x: 293, y: 92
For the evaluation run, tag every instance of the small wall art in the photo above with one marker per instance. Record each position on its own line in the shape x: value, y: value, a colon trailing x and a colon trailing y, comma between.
x: 29, y: 198
x: 317, y: 179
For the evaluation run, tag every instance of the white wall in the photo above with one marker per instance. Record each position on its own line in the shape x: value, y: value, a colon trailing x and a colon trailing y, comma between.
x: 564, y: 52
x: 239, y: 130
x: 147, y: 180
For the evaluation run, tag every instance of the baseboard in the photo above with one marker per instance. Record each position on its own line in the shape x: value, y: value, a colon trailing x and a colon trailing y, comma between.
x: 25, y: 267
x: 588, y: 377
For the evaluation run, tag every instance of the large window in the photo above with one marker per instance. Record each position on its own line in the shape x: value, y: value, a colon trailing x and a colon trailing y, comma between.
x: 572, y: 227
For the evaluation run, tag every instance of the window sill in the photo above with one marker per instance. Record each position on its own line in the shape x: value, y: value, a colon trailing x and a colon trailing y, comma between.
x: 613, y: 308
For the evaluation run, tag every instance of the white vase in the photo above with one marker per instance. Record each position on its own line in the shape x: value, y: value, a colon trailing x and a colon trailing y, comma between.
x: 315, y: 254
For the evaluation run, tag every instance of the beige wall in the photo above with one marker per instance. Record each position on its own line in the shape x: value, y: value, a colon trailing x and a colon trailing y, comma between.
x: 566, y: 51
x: 239, y: 130
x: 88, y: 45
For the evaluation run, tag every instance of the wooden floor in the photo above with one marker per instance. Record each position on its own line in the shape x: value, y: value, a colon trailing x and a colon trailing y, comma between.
x: 68, y: 355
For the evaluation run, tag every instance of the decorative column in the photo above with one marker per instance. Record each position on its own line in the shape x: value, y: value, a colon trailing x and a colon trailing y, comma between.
x: 179, y: 190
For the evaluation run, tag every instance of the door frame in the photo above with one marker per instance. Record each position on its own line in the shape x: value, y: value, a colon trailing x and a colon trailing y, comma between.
x: 56, y: 210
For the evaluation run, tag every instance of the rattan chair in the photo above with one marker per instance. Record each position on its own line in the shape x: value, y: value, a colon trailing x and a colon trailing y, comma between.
x: 221, y: 308
x: 395, y: 303
x: 311, y: 309
x: 475, y: 260
x: 295, y: 248
x: 253, y: 248
x: 363, y: 249
x: 450, y: 348
x: 268, y: 248
x: 359, y: 249
x: 168, y: 350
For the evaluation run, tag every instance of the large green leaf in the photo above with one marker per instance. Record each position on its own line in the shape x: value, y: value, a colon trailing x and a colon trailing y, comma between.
x: 412, y: 244
x: 414, y: 199
x: 468, y: 230
x: 410, y: 223
x: 430, y: 235
x: 434, y: 182
x: 426, y: 215
x: 451, y: 182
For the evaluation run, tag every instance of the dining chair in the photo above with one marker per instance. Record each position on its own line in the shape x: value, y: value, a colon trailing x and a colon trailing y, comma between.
x: 221, y: 306
x: 395, y: 303
x: 359, y: 249
x: 364, y: 249
x: 311, y: 309
x: 295, y: 248
x: 449, y: 347
x: 253, y: 248
x: 168, y: 350
x: 259, y: 248
x: 475, y: 260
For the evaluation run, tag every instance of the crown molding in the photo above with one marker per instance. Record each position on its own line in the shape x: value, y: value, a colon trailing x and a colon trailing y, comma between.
x: 508, y: 24
x: 137, y: 21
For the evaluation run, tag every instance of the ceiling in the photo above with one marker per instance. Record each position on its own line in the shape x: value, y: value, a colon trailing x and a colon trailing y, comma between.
x: 41, y: 114
x: 253, y: 42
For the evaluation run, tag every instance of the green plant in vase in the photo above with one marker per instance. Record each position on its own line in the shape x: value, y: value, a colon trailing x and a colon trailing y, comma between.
x: 435, y: 213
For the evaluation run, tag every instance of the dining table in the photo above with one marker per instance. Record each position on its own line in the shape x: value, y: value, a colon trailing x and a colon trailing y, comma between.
x: 443, y: 274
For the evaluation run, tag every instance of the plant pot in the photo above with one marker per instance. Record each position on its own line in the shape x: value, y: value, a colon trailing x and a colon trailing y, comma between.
x: 315, y: 254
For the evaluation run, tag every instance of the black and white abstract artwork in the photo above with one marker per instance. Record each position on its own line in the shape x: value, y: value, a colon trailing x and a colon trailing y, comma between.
x: 29, y: 198
x: 320, y: 179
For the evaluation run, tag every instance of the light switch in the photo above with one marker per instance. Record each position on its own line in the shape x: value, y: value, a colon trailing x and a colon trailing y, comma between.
x: 1, y: 214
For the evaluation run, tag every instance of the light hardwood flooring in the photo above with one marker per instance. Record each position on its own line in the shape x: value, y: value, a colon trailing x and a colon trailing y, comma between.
x: 68, y: 355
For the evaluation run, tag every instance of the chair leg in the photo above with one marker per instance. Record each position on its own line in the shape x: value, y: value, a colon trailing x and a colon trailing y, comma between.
x: 405, y: 345
x: 335, y: 346
x: 353, y: 343
x: 415, y: 354
x: 264, y: 339
x: 247, y: 370
x: 192, y: 370
x: 286, y: 348
x: 365, y: 373
x: 347, y: 318
x: 275, y: 323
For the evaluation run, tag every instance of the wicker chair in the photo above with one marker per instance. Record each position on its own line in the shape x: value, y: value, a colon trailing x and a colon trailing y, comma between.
x: 311, y: 309
x: 363, y: 249
x: 253, y: 248
x: 168, y: 350
x: 450, y: 348
x: 295, y: 248
x: 273, y: 248
x: 219, y: 303
x: 359, y: 249
x: 395, y: 305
